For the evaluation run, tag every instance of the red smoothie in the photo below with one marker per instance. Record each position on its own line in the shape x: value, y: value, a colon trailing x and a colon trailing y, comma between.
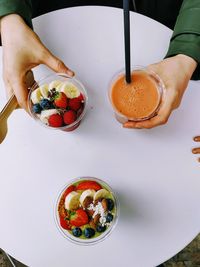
x: 138, y: 100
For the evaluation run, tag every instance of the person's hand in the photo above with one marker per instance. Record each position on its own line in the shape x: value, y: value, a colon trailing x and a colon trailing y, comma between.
x: 23, y: 50
x: 175, y: 72
x: 196, y: 150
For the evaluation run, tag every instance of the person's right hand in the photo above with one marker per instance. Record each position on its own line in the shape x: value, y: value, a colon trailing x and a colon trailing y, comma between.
x: 23, y: 50
x: 175, y: 72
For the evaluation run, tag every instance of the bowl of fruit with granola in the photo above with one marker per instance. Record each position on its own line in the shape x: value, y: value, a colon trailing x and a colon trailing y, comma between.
x: 58, y: 102
x: 86, y: 210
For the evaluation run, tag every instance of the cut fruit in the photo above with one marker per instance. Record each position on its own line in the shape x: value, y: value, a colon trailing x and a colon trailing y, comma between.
x: 70, y: 90
x: 79, y: 218
x: 88, y: 185
x: 85, y: 194
x: 69, y: 117
x: 64, y: 224
x: 58, y: 87
x: 55, y: 84
x: 69, y: 190
x: 102, y: 193
x: 60, y: 100
x: 75, y: 104
x: 72, y: 201
x: 55, y: 120
x: 36, y: 96
x: 44, y: 90
x: 45, y: 114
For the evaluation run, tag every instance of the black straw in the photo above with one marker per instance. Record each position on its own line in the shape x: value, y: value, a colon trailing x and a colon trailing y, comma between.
x: 127, y: 40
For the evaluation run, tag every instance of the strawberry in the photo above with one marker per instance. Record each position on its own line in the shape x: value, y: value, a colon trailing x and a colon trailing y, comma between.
x: 75, y: 103
x: 69, y: 117
x: 60, y: 100
x: 88, y: 185
x: 79, y: 218
x: 55, y: 120
x: 81, y: 97
x: 64, y: 223
x: 69, y: 190
x: 79, y: 112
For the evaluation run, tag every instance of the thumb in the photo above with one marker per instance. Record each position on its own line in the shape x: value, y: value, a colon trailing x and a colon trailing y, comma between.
x: 20, y: 90
x: 57, y: 65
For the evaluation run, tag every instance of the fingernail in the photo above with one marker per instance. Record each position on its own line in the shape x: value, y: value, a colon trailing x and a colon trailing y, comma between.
x: 70, y: 73
x: 138, y: 126
x: 196, y: 138
x: 196, y: 150
x: 127, y: 127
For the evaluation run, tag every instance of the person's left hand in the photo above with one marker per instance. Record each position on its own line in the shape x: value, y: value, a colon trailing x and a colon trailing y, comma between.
x: 175, y: 73
x: 196, y: 150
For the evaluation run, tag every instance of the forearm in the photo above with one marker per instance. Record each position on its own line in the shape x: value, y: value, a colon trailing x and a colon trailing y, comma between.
x: 186, y: 36
x: 8, y: 23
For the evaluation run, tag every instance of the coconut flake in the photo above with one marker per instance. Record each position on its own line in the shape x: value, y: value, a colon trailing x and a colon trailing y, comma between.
x: 98, y: 209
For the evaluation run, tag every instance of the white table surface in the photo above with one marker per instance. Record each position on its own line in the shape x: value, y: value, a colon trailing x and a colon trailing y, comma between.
x: 153, y: 171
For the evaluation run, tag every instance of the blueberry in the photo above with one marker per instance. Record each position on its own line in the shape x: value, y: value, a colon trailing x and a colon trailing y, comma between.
x: 37, y: 108
x: 109, y: 217
x: 77, y: 231
x: 45, y: 104
x: 110, y: 204
x: 100, y: 228
x: 89, y: 232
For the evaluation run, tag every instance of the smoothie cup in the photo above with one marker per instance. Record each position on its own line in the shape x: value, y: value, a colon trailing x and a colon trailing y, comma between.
x: 138, y: 101
x: 60, y: 80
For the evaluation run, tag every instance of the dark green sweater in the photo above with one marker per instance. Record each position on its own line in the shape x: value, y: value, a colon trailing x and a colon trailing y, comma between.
x: 185, y: 14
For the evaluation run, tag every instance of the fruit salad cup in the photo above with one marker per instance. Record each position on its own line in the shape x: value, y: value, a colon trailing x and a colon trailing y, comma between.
x: 58, y: 102
x: 86, y: 210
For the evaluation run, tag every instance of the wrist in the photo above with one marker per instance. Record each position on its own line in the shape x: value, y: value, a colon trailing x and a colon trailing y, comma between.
x: 187, y: 63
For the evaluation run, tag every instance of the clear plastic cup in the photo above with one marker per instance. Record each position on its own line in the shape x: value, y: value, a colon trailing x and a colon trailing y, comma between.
x: 153, y: 78
x: 98, y: 236
x: 63, y: 78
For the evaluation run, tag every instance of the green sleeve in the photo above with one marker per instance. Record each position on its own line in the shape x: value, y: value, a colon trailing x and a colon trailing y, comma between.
x: 186, y: 36
x: 20, y: 7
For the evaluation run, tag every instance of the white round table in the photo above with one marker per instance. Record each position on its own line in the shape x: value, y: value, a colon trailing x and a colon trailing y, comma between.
x: 153, y: 171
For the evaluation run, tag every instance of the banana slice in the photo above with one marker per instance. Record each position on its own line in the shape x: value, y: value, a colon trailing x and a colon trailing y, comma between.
x: 70, y: 90
x: 55, y: 84
x: 102, y: 193
x: 45, y: 114
x: 58, y: 88
x: 36, y: 96
x: 85, y: 194
x: 72, y: 201
x: 44, y: 90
